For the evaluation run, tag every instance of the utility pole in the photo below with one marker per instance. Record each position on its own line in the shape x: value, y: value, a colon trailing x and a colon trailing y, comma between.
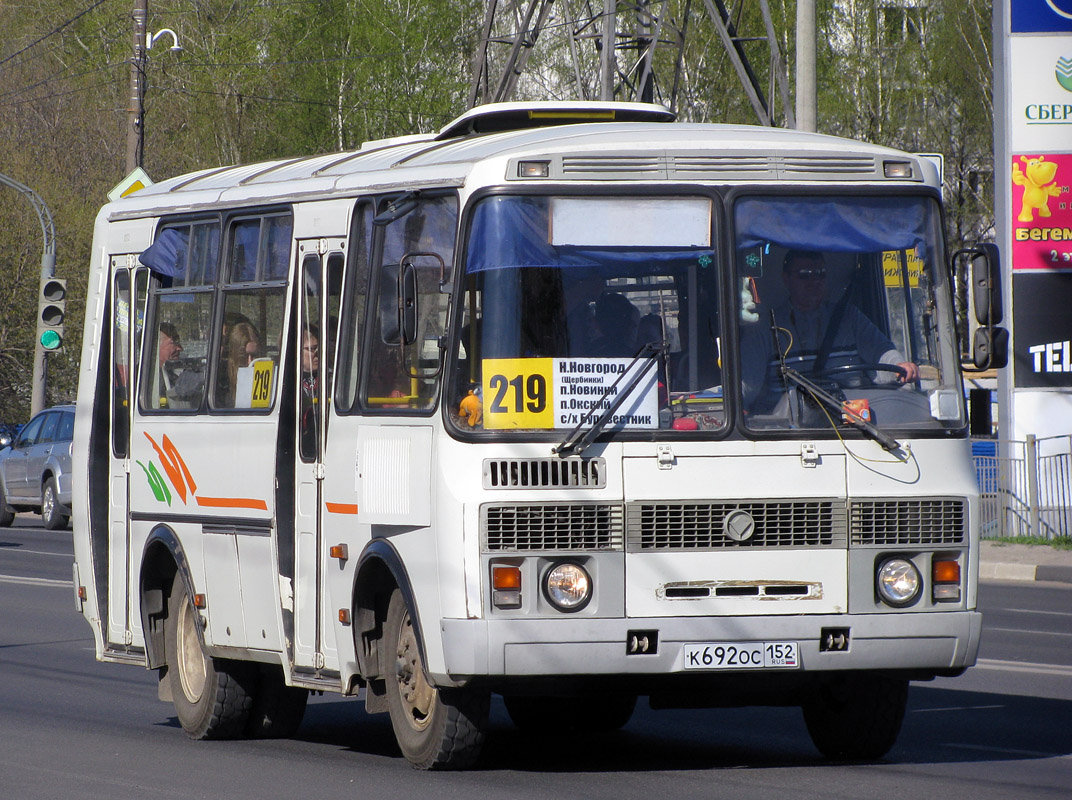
x: 136, y: 108
x: 48, y: 268
x: 806, y: 89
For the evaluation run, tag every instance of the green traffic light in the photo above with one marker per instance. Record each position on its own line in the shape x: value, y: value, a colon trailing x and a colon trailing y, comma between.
x: 51, y: 340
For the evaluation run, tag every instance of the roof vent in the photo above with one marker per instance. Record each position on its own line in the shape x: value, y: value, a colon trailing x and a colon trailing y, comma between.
x: 500, y: 117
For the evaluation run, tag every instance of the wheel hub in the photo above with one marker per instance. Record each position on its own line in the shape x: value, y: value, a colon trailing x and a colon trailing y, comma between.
x: 191, y: 661
x: 418, y: 696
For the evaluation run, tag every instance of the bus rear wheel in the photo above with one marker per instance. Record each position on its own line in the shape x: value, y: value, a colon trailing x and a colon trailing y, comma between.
x: 856, y: 716
x: 436, y: 728
x: 212, y: 696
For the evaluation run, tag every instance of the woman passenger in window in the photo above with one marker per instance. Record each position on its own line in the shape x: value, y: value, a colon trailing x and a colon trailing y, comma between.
x: 243, y: 347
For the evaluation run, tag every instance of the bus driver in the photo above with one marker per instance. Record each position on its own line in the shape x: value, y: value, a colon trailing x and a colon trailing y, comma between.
x: 805, y: 335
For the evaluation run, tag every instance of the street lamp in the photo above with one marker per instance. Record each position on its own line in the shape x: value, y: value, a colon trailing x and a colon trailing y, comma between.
x: 150, y: 39
x: 143, y: 42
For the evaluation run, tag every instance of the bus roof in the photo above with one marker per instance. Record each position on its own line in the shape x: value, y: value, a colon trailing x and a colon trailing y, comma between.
x: 598, y: 146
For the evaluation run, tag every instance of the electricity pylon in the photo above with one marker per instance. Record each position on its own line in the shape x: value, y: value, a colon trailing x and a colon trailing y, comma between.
x: 612, y: 48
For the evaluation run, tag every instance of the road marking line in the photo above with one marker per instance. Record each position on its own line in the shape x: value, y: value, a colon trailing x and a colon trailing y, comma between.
x: 958, y: 708
x: 7, y: 550
x: 1026, y: 630
x: 1009, y: 750
x: 35, y: 581
x: 1021, y: 666
x: 1033, y: 611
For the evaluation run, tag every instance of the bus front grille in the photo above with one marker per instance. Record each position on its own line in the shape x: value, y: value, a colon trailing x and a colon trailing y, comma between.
x: 545, y: 473
x: 703, y: 526
x: 527, y: 527
x: 908, y: 522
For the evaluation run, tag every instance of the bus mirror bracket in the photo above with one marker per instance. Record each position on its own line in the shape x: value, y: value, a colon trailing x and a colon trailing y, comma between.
x: 407, y: 302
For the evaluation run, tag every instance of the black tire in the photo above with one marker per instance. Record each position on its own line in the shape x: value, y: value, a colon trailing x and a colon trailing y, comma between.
x: 594, y: 714
x: 435, y: 728
x: 6, y: 516
x: 212, y: 696
x: 277, y: 708
x: 856, y: 716
x: 53, y: 518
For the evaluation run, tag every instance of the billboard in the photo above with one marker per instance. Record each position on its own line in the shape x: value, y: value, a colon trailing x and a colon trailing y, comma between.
x: 1042, y: 347
x: 1041, y: 16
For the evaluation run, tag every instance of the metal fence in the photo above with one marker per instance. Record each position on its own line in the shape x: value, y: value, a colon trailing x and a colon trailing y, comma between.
x: 1026, y: 486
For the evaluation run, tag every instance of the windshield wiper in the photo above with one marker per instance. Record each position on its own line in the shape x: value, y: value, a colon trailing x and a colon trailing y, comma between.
x: 884, y: 439
x: 577, y: 440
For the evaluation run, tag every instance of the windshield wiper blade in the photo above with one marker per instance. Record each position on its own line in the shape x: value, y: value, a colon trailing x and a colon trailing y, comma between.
x: 577, y: 440
x: 884, y: 439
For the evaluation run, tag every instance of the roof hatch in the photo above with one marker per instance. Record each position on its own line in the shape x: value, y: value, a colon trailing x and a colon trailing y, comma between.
x: 499, y: 117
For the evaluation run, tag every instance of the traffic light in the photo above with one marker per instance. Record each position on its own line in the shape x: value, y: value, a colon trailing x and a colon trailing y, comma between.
x: 50, y: 313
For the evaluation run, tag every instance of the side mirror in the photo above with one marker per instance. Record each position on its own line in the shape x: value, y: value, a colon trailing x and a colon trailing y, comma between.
x: 398, y: 304
x: 986, y: 283
x: 990, y: 348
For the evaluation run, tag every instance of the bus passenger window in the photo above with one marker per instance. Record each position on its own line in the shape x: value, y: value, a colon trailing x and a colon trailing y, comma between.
x: 176, y: 356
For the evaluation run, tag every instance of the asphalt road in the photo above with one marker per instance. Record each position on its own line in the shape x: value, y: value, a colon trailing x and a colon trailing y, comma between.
x: 73, y: 727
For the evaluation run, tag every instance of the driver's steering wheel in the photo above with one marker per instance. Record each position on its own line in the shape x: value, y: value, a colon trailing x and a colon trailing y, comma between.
x: 844, y: 369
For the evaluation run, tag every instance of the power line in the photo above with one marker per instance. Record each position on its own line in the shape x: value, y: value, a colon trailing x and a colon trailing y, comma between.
x: 53, y: 32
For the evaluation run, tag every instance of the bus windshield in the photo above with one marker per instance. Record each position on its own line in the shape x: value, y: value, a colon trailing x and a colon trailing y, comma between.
x: 852, y: 294
x: 560, y: 296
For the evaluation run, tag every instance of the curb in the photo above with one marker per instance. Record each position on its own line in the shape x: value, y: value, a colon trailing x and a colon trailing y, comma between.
x: 1025, y: 572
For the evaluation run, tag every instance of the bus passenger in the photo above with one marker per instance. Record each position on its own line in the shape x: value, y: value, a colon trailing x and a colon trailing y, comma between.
x: 310, y: 384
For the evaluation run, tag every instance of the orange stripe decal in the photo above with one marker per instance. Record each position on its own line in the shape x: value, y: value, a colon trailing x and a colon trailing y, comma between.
x: 232, y: 502
x: 341, y: 508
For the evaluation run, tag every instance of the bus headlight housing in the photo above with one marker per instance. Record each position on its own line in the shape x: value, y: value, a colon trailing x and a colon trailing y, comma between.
x: 567, y: 586
x: 898, y: 581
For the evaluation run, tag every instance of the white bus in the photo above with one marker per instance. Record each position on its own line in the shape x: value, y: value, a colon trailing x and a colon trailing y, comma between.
x: 531, y: 407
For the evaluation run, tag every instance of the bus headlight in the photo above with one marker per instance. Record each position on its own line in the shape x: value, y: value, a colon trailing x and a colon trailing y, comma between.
x: 567, y: 587
x: 897, y: 581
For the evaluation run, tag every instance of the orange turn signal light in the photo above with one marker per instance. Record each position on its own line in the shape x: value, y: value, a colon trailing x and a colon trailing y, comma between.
x: 947, y: 572
x: 506, y: 577
x: 339, y: 551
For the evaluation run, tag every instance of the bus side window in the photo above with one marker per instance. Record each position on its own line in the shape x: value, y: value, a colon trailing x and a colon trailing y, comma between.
x: 251, y: 328
x: 174, y: 364
x: 407, y: 376
x: 352, y: 313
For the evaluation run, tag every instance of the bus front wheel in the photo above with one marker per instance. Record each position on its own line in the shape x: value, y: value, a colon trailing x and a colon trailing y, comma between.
x: 436, y: 728
x: 856, y: 716
x: 212, y: 696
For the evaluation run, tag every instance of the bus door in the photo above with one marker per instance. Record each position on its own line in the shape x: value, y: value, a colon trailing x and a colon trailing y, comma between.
x: 129, y: 287
x: 320, y: 289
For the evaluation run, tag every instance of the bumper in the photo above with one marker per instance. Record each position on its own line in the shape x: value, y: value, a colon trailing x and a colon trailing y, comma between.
x: 577, y: 647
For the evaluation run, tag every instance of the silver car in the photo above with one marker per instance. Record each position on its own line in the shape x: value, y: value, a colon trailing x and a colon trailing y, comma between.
x: 35, y: 469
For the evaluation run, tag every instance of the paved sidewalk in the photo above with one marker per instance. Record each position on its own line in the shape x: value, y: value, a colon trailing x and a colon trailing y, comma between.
x: 1024, y: 562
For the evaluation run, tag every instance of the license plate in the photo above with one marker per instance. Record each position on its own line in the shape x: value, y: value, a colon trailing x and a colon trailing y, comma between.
x: 740, y: 655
